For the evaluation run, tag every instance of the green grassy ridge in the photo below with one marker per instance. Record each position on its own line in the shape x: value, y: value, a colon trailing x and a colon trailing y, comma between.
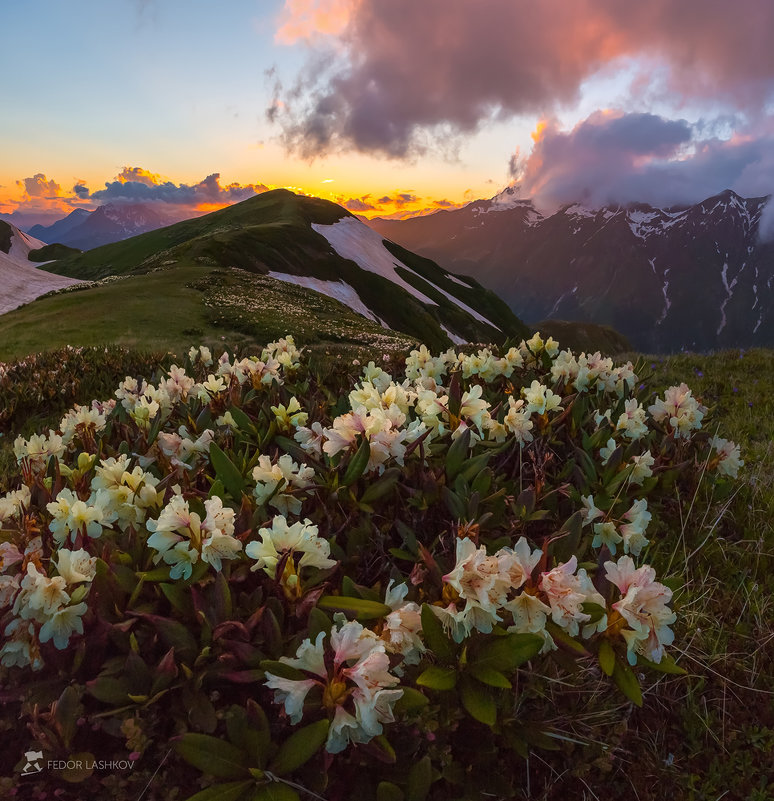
x: 52, y: 252
x: 273, y: 232
x: 173, y: 308
x: 143, y: 252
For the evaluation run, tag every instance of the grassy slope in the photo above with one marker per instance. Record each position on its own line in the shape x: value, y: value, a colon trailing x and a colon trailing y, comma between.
x: 184, y: 305
x: 51, y: 252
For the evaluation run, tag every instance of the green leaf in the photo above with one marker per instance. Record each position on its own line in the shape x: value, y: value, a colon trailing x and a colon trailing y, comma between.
x: 275, y: 791
x: 490, y: 676
x: 175, y: 635
x: 241, y: 419
x: 438, y: 678
x: 292, y: 448
x: 357, y: 607
x: 382, y: 486
x: 221, y: 598
x: 300, y: 747
x: 357, y: 464
x: 387, y: 791
x: 318, y: 621
x: 606, y: 657
x: 228, y: 791
x: 507, y: 653
x: 453, y: 503
x: 66, y: 715
x: 226, y: 471
x: 419, y: 780
x: 594, y: 610
x: 410, y: 701
x: 627, y: 683
x: 457, y: 454
x: 211, y: 755
x: 109, y: 690
x: 666, y: 665
x: 478, y: 702
x: 178, y: 596
x: 282, y: 670
x: 435, y: 637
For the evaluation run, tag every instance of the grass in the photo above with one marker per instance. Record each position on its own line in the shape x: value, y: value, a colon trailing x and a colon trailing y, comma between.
x: 177, y: 307
x: 710, y: 734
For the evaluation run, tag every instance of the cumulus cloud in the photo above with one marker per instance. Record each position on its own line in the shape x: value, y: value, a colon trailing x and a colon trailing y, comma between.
x: 40, y: 187
x: 137, y: 185
x: 401, y: 71
x: 619, y: 158
x: 80, y: 190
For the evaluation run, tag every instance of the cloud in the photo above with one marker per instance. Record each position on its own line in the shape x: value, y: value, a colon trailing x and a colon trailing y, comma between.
x: 137, y: 185
x: 402, y: 75
x: 309, y: 19
x: 613, y: 158
x: 357, y: 204
x: 40, y: 187
x: 399, y: 199
x: 81, y: 190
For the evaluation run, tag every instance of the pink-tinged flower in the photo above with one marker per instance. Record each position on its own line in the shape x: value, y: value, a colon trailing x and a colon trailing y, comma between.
x: 643, y: 607
x: 728, y: 453
x: 633, y: 532
x: 680, y: 409
x: 403, y: 625
x: 566, y: 593
x: 9, y: 555
x: 516, y: 564
x: 353, y: 673
x: 529, y: 614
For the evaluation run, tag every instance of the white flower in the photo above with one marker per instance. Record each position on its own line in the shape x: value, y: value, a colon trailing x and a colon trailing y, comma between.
x: 633, y: 532
x: 632, y: 421
x: 680, y: 409
x: 517, y: 421
x: 641, y: 467
x: 606, y: 534
x: 76, y: 566
x: 540, y: 399
x: 607, y: 451
x: 275, y: 482
x: 62, y: 625
x: 298, y: 539
x: 728, y: 463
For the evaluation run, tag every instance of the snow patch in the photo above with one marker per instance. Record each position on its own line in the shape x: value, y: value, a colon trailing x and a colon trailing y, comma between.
x: 338, y: 290
x: 354, y: 240
x: 21, y: 282
x: 453, y: 337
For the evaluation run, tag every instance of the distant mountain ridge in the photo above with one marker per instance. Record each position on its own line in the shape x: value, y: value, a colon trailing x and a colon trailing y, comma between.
x: 694, y: 277
x: 112, y: 222
x: 319, y: 245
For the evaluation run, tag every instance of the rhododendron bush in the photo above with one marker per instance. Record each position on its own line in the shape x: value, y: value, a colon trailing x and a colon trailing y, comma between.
x: 358, y: 586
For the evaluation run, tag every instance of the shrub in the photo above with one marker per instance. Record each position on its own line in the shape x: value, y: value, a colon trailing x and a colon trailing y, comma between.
x: 363, y: 591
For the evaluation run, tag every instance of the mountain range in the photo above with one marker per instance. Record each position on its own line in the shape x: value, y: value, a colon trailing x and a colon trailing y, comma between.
x: 112, y: 222
x: 273, y: 264
x: 696, y: 277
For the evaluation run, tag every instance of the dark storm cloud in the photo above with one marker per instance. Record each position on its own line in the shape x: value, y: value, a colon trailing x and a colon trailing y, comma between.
x: 406, y: 69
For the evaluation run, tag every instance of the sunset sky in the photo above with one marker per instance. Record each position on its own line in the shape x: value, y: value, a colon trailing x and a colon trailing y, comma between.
x: 385, y: 106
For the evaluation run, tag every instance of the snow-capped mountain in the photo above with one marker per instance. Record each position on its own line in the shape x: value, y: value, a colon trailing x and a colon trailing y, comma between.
x: 694, y: 277
x: 109, y: 223
x: 20, y: 280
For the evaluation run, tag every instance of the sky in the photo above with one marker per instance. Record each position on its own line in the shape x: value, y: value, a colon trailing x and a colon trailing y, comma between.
x: 389, y: 108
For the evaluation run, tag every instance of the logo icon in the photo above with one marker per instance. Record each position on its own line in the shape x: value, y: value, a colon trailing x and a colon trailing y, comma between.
x: 34, y: 760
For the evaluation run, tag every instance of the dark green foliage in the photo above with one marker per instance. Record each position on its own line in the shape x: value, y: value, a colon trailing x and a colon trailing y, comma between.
x: 52, y: 252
